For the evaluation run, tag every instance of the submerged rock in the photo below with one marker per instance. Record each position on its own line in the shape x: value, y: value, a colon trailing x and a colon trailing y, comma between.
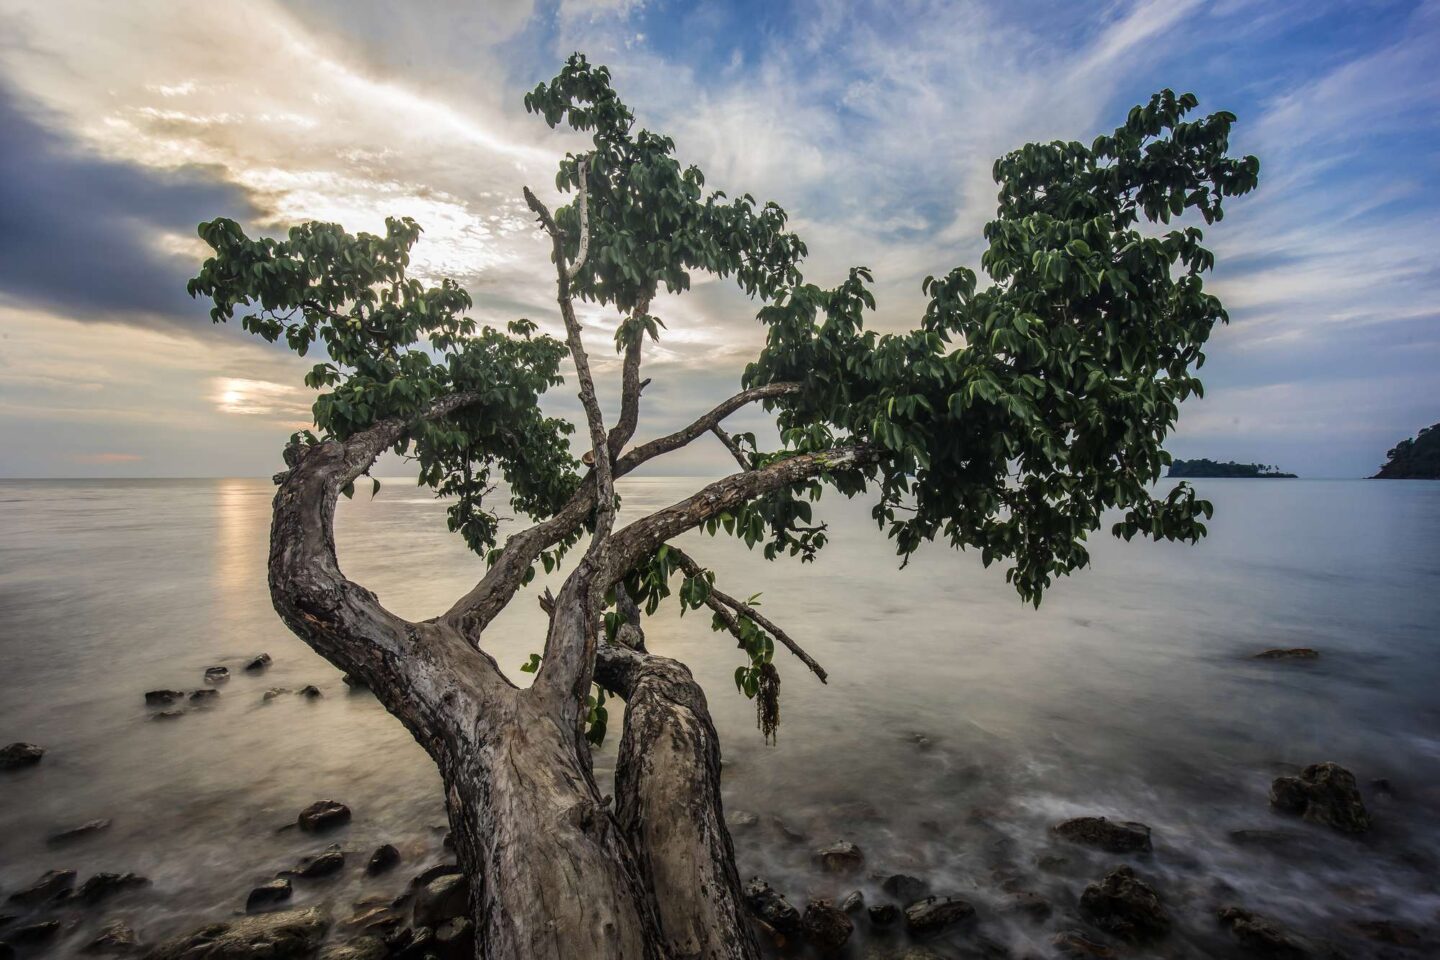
x: 1276, y: 841
x: 854, y: 902
x: 1261, y: 935
x: 162, y: 698
x: 825, y: 925
x: 384, y: 858
x: 366, y: 948
x: 311, y: 692
x: 444, y: 898
x: 934, y: 914
x: 16, y: 755
x: 76, y: 833
x: 323, y: 815
x: 34, y: 933
x: 1288, y: 653
x: 258, y: 663
x: 1028, y: 903
x: 766, y: 903
x: 103, y: 885
x: 216, y: 675
x: 1112, y: 836
x: 204, y: 696
x: 1077, y: 946
x: 322, y: 864
x: 455, y: 939
x: 274, y: 692
x: 883, y: 914
x: 115, y: 937
x: 52, y: 884
x: 1126, y: 906
x: 843, y: 857
x: 269, y: 895
x: 1324, y: 793
x: 286, y: 935
x: 905, y: 888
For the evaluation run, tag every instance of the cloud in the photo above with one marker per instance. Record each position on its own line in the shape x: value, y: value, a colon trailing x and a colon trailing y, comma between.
x: 105, y: 458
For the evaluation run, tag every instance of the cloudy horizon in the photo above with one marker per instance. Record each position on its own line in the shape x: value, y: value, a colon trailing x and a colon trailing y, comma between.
x: 874, y: 125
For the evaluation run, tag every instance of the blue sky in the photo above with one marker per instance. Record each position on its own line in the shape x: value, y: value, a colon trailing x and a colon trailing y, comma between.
x: 875, y: 125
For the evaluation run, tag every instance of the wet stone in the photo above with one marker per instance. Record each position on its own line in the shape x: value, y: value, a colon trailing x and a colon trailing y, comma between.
x: 444, y: 898
x: 269, y: 895
x: 216, y: 675
x: 208, y: 695
x: 905, y: 888
x: 16, y: 755
x: 843, y: 857
x: 258, y: 663
x: 286, y: 935
x: 323, y: 815
x: 883, y: 914
x: 1288, y: 653
x: 384, y: 858
x: 33, y: 933
x: 455, y: 939
x: 115, y: 937
x: 934, y: 914
x: 323, y: 864
x: 765, y: 902
x: 162, y: 698
x: 1076, y: 946
x: 1323, y: 793
x: 88, y: 828
x: 365, y: 948
x: 1261, y: 936
x: 49, y: 886
x: 311, y: 692
x: 853, y: 902
x: 1099, y: 833
x: 825, y: 925
x: 1126, y: 906
x: 102, y: 886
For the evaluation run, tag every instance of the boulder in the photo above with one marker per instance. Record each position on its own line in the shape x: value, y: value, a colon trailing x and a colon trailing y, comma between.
x: 216, y: 675
x: 843, y: 857
x: 115, y: 937
x: 384, y: 858
x: 16, y: 755
x: 444, y: 898
x: 366, y: 948
x: 267, y: 896
x: 931, y: 915
x: 1077, y: 946
x: 162, y: 698
x: 825, y: 925
x: 766, y: 903
x: 905, y: 888
x: 853, y: 902
x: 104, y: 885
x: 76, y: 833
x: 323, y: 815
x: 1126, y: 906
x: 883, y: 914
x: 51, y: 885
x: 1112, y: 836
x: 1324, y: 793
x: 286, y: 935
x: 323, y: 864
x: 1288, y: 653
x: 1262, y: 936
x: 455, y: 939
x: 258, y: 663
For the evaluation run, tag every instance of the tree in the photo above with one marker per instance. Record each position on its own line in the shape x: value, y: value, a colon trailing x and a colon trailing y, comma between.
x: 1009, y: 420
x: 1415, y: 458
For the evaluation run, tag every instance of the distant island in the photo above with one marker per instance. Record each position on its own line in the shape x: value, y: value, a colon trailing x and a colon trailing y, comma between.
x: 1414, y: 459
x: 1212, y: 468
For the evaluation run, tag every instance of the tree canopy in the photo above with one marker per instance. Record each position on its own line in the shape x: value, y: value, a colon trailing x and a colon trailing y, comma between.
x: 1417, y: 458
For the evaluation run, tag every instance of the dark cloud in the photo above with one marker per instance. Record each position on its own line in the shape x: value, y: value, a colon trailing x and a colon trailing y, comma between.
x: 79, y: 234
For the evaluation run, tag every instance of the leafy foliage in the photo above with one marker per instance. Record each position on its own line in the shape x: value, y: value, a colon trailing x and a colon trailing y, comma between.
x: 1210, y: 468
x: 1417, y: 458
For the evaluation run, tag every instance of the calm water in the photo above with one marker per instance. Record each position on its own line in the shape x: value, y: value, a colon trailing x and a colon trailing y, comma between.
x: 1129, y: 693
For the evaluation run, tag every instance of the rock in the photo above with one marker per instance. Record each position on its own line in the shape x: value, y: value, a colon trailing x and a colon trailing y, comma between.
x: 934, y: 914
x: 1112, y: 836
x: 259, y: 663
x: 53, y: 884
x: 444, y: 898
x: 33, y: 933
x: 793, y: 834
x: 167, y: 715
x: 366, y: 948
x: 384, y: 858
x: 1262, y: 936
x: 268, y: 895
x: 208, y: 695
x: 216, y: 675
x: 17, y: 755
x: 854, y: 902
x: 430, y: 873
x: 322, y: 864
x: 843, y: 857
x: 103, y: 885
x: 1324, y: 793
x: 76, y: 833
x: 883, y: 914
x: 825, y: 925
x: 1288, y: 653
x: 377, y: 919
x: 162, y: 698
x: 311, y: 692
x: 274, y: 692
x: 1028, y: 903
x: 287, y: 935
x: 115, y: 937
x: 1387, y: 932
x: 323, y: 815
x: 766, y: 903
x: 1075, y: 945
x: 1126, y: 906
x: 455, y: 939
x: 905, y: 888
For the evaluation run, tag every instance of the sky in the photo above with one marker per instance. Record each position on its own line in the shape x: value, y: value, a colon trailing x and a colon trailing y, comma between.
x: 122, y: 125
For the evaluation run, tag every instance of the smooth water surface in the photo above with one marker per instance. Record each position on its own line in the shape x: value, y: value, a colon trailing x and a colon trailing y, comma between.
x: 957, y: 726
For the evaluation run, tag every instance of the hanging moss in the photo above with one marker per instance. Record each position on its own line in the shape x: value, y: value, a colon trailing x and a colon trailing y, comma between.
x: 767, y: 702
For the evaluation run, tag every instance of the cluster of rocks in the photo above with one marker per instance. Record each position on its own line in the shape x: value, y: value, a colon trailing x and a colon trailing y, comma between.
x: 55, y: 891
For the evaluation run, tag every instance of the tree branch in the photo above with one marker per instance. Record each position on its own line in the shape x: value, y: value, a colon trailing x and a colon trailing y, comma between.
x: 732, y: 446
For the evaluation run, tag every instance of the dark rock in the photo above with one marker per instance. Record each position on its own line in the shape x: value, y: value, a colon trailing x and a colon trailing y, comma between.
x: 365, y: 948
x: 1077, y: 946
x: 384, y: 858
x: 1051, y: 863
x: 1262, y: 936
x: 259, y: 663
x: 204, y: 696
x: 323, y: 815
x: 853, y: 902
x: 934, y: 914
x: 825, y: 925
x: 1324, y: 793
x: 1387, y: 932
x: 286, y: 935
x: 162, y: 698
x: 766, y: 903
x: 444, y: 898
x: 103, y: 885
x: 311, y: 692
x: 216, y: 675
x: 274, y: 692
x: 53, y: 884
x: 167, y: 715
x: 843, y: 857
x: 416, y: 943
x: 1028, y: 903
x: 905, y: 888
x: 455, y: 939
x: 269, y: 895
x: 883, y: 914
x: 76, y: 833
x: 17, y: 755
x: 1288, y: 653
x: 115, y: 937
x: 1126, y: 906
x: 431, y: 873
x: 33, y: 933
x: 1112, y: 836
x: 322, y: 864
x: 377, y: 919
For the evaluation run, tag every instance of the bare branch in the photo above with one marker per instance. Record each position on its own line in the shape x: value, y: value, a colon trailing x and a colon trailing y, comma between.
x: 574, y: 268
x: 732, y: 446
